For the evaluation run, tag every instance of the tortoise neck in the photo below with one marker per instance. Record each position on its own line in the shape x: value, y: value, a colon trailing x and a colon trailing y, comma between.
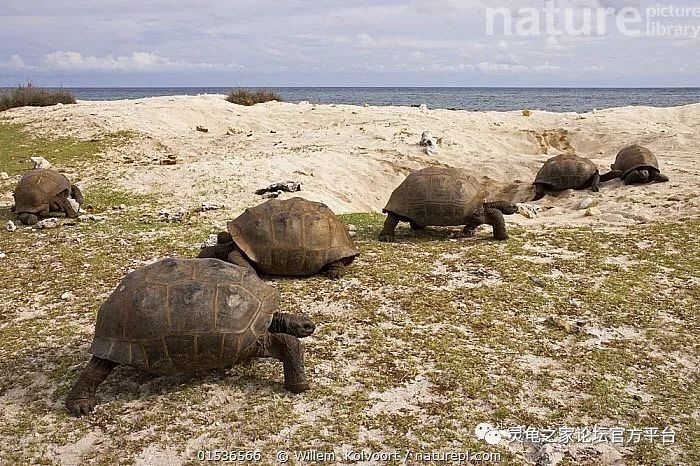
x: 280, y: 323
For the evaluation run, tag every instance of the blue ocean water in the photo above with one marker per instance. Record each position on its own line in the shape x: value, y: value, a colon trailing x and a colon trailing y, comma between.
x: 550, y: 99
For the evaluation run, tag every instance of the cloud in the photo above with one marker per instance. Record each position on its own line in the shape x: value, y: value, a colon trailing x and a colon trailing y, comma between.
x: 137, y: 61
x: 14, y: 63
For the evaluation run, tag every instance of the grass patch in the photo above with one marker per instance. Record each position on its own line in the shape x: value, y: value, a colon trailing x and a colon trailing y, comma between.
x: 250, y: 97
x: 18, y: 145
x: 33, y: 96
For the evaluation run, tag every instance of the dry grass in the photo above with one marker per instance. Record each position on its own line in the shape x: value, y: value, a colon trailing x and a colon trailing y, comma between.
x: 251, y: 97
x: 33, y: 96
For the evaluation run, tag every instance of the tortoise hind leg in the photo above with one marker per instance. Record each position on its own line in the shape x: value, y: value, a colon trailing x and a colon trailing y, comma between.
x: 28, y: 218
x: 335, y: 270
x: 290, y: 351
x: 387, y: 233
x: 81, y: 398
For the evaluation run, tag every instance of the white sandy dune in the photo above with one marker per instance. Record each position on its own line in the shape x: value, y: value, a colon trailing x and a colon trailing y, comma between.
x: 352, y: 157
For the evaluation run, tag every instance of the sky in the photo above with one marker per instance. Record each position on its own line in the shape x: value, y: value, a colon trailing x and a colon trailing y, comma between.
x: 212, y: 43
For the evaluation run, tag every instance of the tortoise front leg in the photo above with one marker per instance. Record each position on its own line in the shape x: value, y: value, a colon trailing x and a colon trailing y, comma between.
x: 540, y: 191
x: 65, y: 206
x: 595, y: 179
x: 658, y: 177
x: 76, y: 194
x: 81, y: 398
x: 236, y: 258
x: 494, y: 217
x: 611, y: 175
x: 636, y: 176
x: 290, y: 351
x: 387, y: 233
x: 335, y: 270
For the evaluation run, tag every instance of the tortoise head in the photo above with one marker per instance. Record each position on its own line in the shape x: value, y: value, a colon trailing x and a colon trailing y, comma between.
x: 299, y: 326
x: 644, y: 175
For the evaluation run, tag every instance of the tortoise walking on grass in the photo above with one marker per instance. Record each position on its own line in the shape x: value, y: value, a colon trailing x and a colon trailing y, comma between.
x: 637, y: 164
x: 567, y: 171
x: 441, y: 196
x: 42, y: 191
x: 187, y: 315
x: 293, y: 237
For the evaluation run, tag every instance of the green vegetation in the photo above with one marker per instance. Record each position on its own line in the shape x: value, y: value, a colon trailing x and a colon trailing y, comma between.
x: 251, y: 97
x: 18, y: 145
x: 33, y: 96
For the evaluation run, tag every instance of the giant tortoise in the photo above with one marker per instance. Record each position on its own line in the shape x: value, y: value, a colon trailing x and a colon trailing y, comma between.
x: 444, y: 196
x: 294, y: 237
x: 187, y: 315
x: 568, y: 171
x: 42, y: 191
x: 637, y: 164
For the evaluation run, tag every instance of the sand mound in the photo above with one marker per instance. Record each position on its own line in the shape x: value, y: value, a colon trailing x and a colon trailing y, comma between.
x: 352, y: 157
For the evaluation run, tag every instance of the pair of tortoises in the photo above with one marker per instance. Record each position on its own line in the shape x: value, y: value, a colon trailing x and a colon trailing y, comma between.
x: 187, y: 315
x: 634, y: 164
x: 41, y: 192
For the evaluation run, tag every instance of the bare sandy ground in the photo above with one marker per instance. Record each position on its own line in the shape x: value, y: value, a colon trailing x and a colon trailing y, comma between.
x: 352, y: 157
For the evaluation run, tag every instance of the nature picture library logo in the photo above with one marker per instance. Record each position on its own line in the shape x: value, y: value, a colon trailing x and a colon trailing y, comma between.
x: 578, y: 18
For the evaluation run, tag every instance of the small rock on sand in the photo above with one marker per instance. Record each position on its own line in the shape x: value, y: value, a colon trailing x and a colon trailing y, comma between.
x: 212, y: 240
x: 4, y: 176
x: 528, y: 210
x: 41, y: 162
x: 423, y: 107
x: 10, y: 226
x: 211, y: 206
x: 48, y: 223
x: 202, y: 129
x: 67, y: 296
x: 587, y: 202
x: 2, y: 255
x: 592, y: 212
x: 527, y: 113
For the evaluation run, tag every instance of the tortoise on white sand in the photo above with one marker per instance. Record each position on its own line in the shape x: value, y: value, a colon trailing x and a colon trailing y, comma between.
x: 187, y: 315
x: 293, y: 237
x: 42, y: 191
x: 568, y: 171
x: 637, y: 164
x: 444, y: 196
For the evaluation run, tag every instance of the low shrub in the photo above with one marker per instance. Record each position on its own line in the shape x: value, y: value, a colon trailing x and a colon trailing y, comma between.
x: 33, y: 96
x: 252, y: 97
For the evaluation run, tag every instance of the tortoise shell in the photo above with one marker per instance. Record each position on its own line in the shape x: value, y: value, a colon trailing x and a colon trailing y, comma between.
x: 566, y: 171
x: 184, y: 315
x: 292, y: 237
x: 437, y: 196
x: 37, y: 189
x: 634, y: 157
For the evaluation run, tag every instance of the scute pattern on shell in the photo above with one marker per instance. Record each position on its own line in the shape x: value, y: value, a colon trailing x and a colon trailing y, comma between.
x: 184, y: 315
x: 633, y: 157
x: 37, y: 188
x: 566, y: 171
x: 292, y: 237
x: 440, y: 196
